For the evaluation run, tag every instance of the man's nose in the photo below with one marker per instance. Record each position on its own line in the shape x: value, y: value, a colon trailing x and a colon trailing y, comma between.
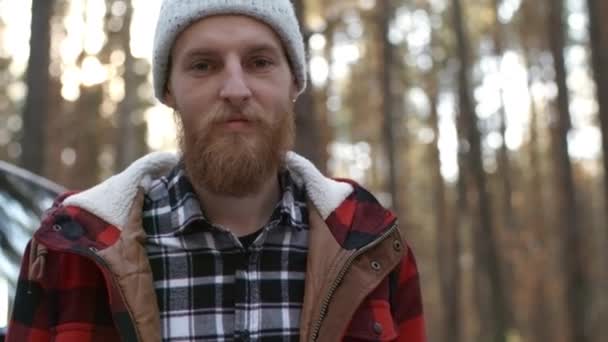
x: 235, y: 89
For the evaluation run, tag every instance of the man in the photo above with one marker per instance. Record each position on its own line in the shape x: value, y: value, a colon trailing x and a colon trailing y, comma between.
x: 234, y: 239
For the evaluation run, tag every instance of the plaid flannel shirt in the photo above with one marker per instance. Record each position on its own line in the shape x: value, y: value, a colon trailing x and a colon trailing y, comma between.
x: 211, y: 288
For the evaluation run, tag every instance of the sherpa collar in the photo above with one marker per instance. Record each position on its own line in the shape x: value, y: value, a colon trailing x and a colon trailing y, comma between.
x: 111, y: 200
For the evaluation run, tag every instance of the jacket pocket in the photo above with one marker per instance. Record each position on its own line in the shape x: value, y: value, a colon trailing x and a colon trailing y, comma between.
x: 373, y: 321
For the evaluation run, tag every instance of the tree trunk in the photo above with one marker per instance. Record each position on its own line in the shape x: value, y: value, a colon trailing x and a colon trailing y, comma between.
x: 35, y: 110
x: 126, y: 147
x: 308, y: 141
x: 384, y: 19
x: 84, y: 173
x: 571, y: 232
x: 541, y: 316
x: 538, y: 261
x: 494, y: 327
x: 598, y: 34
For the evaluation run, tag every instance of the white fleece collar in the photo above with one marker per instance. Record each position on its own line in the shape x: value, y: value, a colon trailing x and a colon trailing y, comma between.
x: 111, y: 200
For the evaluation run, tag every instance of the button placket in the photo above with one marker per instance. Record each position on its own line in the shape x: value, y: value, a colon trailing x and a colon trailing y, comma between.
x: 254, y: 291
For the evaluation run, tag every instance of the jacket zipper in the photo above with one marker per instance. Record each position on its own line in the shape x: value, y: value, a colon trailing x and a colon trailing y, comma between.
x: 336, y: 283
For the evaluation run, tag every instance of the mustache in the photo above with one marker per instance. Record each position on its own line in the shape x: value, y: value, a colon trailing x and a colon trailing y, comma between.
x: 222, y: 113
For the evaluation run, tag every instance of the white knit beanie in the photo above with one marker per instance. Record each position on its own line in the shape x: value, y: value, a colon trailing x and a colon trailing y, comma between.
x: 176, y: 15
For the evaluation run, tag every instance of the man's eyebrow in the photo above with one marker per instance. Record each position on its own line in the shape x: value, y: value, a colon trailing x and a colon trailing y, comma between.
x: 257, y: 48
x: 264, y: 48
x: 199, y: 51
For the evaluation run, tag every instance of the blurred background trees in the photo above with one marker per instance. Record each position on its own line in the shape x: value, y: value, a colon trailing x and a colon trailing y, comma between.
x: 482, y: 123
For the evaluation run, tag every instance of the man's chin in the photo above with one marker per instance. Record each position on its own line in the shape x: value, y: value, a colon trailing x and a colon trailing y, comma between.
x: 238, y: 127
x: 229, y: 136
x: 232, y: 174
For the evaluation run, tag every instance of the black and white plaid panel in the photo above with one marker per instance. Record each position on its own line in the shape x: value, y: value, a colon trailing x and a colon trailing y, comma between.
x: 208, y: 287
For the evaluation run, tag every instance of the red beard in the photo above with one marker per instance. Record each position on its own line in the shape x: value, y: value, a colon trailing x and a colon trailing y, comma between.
x: 235, y: 163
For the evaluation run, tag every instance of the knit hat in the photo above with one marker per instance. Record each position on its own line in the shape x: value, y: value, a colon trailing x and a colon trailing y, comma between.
x: 176, y: 15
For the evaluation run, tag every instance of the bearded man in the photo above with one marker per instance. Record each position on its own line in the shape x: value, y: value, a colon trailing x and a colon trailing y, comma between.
x: 234, y: 238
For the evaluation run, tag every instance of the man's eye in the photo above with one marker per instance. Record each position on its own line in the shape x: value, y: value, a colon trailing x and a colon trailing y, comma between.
x: 201, y: 66
x: 261, y: 63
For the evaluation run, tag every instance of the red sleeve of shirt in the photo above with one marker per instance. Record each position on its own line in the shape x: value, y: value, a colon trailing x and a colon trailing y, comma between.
x: 407, y: 301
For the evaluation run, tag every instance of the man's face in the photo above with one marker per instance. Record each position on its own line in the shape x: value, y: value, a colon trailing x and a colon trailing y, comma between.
x: 232, y: 86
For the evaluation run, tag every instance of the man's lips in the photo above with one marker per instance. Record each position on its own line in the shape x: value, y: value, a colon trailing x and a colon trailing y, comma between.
x: 237, y: 122
x: 235, y: 117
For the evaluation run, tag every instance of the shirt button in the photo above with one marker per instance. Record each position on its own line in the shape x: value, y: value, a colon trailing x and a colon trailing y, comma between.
x: 377, y: 328
x: 254, y: 256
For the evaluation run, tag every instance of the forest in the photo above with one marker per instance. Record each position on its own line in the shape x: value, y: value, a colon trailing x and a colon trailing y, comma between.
x: 482, y: 123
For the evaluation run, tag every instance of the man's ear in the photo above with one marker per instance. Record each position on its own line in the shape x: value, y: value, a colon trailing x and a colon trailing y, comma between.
x: 168, y: 98
x: 293, y: 91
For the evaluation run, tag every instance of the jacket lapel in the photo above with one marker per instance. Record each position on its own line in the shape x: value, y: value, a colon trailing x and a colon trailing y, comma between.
x: 325, y: 258
x: 349, y: 254
x: 127, y: 260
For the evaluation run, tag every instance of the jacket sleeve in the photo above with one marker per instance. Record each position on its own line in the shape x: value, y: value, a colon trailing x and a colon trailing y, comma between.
x: 406, y: 301
x: 30, y: 318
x: 60, y: 297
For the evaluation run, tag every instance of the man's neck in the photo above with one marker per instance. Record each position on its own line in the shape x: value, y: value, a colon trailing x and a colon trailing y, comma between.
x: 242, y: 215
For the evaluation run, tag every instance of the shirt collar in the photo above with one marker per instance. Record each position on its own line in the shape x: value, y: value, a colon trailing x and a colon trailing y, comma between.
x: 186, y: 210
